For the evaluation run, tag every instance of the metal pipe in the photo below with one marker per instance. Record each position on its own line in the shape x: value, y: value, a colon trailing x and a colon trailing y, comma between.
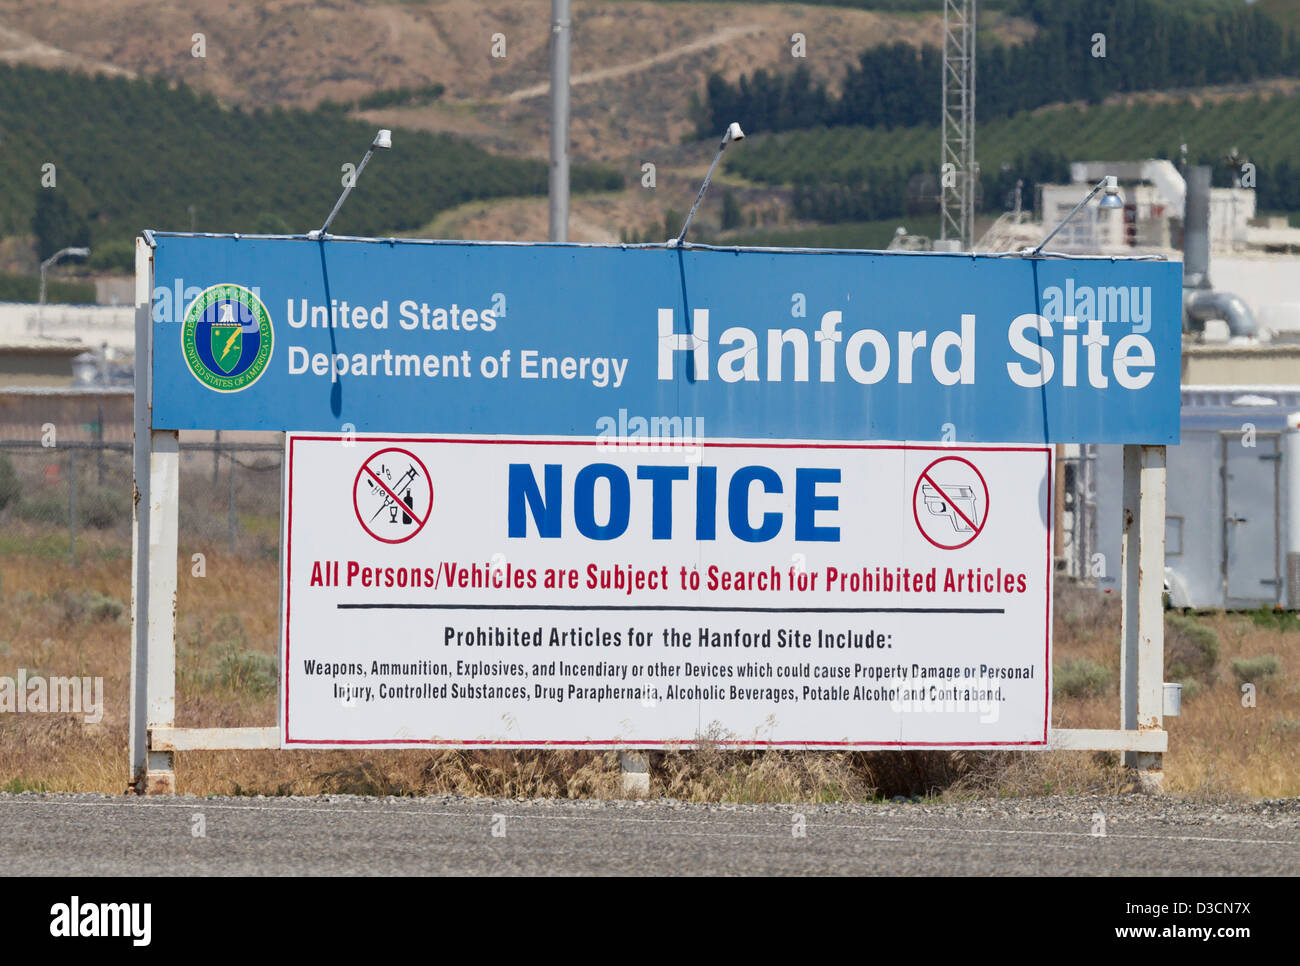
x: 558, y: 189
x: 1196, y: 229
x: 1202, y: 305
x: 72, y: 506
x: 1200, y: 301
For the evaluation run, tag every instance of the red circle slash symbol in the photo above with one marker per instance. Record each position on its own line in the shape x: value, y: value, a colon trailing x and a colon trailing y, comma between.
x: 393, y: 495
x: 950, y: 502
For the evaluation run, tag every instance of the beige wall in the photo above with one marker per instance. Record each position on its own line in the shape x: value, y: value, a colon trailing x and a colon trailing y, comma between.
x: 1255, y: 365
x: 31, y: 368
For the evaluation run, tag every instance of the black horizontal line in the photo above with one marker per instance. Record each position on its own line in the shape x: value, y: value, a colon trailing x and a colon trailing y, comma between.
x: 667, y: 607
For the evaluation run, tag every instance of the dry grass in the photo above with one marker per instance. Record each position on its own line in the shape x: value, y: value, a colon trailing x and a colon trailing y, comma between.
x: 1220, y: 748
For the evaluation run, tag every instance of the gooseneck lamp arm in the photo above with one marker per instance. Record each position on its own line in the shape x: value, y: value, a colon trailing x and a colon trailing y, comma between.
x: 1112, y: 200
x: 733, y: 133
x: 384, y: 139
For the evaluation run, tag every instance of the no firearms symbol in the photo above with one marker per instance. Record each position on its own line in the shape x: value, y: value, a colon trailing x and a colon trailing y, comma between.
x: 950, y: 502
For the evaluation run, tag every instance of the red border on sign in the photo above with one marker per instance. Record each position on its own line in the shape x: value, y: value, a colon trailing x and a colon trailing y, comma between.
x: 356, y: 508
x: 666, y: 744
x: 925, y: 475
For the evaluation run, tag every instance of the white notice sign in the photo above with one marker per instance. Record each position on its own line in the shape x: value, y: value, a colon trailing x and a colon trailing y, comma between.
x: 597, y: 593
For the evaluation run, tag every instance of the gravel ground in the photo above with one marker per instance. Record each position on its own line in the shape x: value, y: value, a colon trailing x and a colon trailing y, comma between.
x: 46, y: 834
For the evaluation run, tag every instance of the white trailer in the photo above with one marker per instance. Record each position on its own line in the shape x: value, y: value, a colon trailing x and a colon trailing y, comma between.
x: 1232, y: 519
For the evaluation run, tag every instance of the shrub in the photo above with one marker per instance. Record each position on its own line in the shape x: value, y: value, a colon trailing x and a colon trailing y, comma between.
x: 1290, y: 727
x: 43, y: 508
x: 1258, y: 671
x: 249, y: 671
x: 90, y: 605
x: 1080, y: 678
x: 103, y: 507
x: 10, y: 488
x: 98, y: 507
x: 401, y: 96
x: 1191, y: 649
x: 117, y: 255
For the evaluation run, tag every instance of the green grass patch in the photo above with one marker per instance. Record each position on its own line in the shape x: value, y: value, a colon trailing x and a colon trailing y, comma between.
x: 1275, y: 619
x: 16, y: 786
x: 48, y: 546
x: 1080, y: 678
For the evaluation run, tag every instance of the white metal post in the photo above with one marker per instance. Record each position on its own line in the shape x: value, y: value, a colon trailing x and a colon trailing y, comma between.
x: 1142, y: 632
x: 140, y: 521
x: 160, y: 668
x: 153, y: 563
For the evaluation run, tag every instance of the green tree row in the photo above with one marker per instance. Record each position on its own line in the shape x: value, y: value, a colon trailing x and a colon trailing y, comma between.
x: 1082, y: 50
x: 129, y: 154
x: 859, y: 174
x: 26, y: 288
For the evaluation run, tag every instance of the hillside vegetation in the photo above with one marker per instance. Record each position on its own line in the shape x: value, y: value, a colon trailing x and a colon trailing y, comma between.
x: 1082, y: 50
x: 859, y: 173
x: 636, y: 63
x: 252, y: 137
x: 133, y: 154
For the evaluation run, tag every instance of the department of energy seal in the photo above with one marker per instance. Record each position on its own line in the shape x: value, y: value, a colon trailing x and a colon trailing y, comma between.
x: 226, y: 338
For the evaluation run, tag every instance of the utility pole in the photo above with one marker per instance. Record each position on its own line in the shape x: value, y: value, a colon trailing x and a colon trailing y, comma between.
x: 958, y: 172
x: 561, y: 36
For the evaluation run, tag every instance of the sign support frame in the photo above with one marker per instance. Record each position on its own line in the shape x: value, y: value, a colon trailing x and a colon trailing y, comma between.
x: 154, y: 738
x: 1142, y: 622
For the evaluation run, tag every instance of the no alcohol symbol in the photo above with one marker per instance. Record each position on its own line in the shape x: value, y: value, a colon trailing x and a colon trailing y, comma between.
x: 392, y: 495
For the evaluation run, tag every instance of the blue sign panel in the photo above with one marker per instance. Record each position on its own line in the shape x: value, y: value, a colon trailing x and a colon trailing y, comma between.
x: 438, y: 337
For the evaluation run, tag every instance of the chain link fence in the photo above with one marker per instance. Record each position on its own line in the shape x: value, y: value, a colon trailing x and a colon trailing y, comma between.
x: 73, y: 498
x: 66, y: 500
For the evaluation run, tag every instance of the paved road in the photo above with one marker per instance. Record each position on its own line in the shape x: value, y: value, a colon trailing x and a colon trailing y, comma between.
x: 93, y: 835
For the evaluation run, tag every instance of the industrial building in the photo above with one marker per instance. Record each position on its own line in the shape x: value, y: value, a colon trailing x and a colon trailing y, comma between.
x: 1234, y: 481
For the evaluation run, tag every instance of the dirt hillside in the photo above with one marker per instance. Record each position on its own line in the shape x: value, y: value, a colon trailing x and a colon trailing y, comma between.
x: 635, y: 64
